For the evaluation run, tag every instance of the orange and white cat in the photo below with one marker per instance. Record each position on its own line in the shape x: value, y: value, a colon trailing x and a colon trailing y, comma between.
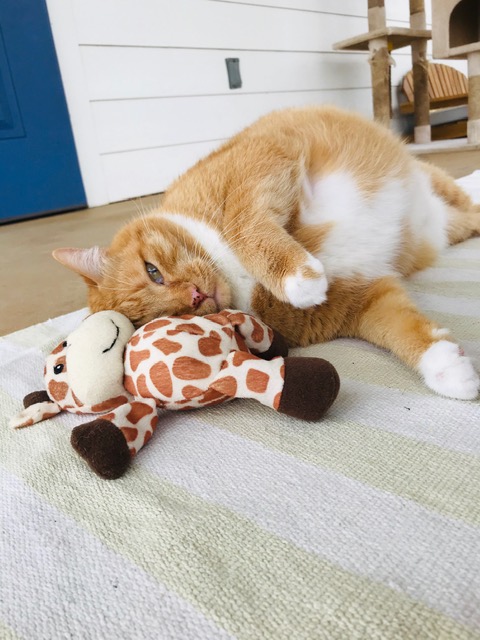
x: 308, y: 218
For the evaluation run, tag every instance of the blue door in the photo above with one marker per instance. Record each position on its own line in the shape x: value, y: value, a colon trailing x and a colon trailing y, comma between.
x: 39, y: 170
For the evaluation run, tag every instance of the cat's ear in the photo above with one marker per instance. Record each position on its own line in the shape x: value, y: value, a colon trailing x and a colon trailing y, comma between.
x: 89, y: 263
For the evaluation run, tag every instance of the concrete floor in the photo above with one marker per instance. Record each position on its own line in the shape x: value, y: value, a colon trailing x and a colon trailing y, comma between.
x: 33, y: 286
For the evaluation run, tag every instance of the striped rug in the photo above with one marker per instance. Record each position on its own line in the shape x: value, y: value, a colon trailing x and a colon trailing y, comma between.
x: 236, y: 522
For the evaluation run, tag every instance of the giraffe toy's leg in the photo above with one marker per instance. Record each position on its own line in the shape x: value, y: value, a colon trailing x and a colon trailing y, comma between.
x: 245, y: 375
x: 299, y: 387
x: 108, y: 443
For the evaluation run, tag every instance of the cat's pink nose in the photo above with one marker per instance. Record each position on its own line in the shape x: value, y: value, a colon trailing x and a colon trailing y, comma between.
x: 197, y: 298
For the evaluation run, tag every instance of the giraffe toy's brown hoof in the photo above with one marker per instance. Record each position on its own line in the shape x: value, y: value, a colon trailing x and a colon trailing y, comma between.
x: 103, y: 446
x: 279, y: 347
x: 310, y: 388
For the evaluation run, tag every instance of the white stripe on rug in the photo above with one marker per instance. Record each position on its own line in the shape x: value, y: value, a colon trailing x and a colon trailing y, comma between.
x: 357, y: 527
x: 78, y: 572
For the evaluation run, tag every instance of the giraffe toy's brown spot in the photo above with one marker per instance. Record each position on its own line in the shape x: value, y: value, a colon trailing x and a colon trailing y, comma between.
x: 58, y: 348
x: 192, y: 329
x: 78, y: 402
x: 111, y: 403
x: 142, y: 389
x: 167, y: 346
x: 257, y: 381
x: 227, y: 385
x: 239, y: 357
x: 160, y: 376
x: 138, y: 411
x: 258, y: 333
x: 57, y: 390
x: 276, y: 400
x: 210, y: 346
x: 129, y: 384
x: 218, y: 318
x: 130, y: 433
x: 190, y: 391
x: 241, y: 344
x: 137, y: 357
x: 156, y: 324
x: 187, y: 368
x: 237, y: 318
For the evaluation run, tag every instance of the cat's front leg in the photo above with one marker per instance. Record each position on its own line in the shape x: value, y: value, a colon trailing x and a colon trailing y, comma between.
x: 281, y: 264
x: 308, y: 286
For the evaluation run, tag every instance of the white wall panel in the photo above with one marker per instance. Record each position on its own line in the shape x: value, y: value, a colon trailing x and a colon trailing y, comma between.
x: 141, y: 124
x: 119, y: 73
x: 137, y: 173
x: 209, y: 25
x: 344, y: 7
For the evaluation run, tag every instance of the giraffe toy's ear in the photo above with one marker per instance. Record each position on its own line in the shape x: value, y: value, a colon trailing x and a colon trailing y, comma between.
x: 38, y: 407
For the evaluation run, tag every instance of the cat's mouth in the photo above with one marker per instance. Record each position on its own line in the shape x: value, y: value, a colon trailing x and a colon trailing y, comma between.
x: 216, y: 301
x: 208, y: 301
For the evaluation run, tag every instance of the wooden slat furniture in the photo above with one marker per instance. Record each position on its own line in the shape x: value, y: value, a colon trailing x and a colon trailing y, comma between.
x: 447, y: 87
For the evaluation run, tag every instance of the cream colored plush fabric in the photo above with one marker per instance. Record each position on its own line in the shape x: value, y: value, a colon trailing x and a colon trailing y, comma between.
x: 236, y: 522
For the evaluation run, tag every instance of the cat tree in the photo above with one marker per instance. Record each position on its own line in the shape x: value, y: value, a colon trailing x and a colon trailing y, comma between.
x: 456, y: 34
x: 381, y: 41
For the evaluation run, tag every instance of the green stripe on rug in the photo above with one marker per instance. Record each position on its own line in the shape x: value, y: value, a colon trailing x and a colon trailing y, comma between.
x: 7, y: 633
x: 461, y: 327
x: 357, y: 361
x: 448, y: 289
x: 456, y: 263
x: 252, y: 583
x: 439, y: 479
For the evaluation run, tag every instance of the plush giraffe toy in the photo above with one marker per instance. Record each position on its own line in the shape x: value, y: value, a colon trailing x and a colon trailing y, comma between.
x: 107, y: 368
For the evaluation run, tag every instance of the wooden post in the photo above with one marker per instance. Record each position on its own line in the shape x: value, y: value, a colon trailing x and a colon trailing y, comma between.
x: 422, y: 130
x: 379, y: 63
x: 473, y: 125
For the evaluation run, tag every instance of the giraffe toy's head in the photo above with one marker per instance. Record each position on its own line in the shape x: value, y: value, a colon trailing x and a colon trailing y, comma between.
x: 123, y: 376
x: 84, y: 373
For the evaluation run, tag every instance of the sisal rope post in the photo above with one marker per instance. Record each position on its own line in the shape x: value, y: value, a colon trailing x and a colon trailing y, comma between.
x: 422, y: 130
x: 379, y: 64
x: 473, y: 125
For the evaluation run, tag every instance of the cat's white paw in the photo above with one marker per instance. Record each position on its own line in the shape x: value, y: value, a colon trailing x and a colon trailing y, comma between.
x: 308, y: 287
x: 449, y: 372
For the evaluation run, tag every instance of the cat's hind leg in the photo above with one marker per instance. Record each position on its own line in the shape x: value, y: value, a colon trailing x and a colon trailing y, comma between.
x: 463, y: 216
x: 389, y: 319
x: 463, y: 224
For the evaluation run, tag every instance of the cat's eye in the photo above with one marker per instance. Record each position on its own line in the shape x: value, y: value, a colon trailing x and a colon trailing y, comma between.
x: 153, y: 273
x: 58, y: 368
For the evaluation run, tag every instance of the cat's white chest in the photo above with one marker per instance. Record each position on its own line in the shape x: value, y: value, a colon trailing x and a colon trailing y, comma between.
x: 367, y: 229
x: 240, y: 281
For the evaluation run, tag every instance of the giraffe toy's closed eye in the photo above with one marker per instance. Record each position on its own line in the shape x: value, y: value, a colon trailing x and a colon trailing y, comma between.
x: 123, y: 377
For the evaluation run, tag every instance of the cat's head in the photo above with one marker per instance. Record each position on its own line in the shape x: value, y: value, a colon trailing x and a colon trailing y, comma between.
x: 152, y: 268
